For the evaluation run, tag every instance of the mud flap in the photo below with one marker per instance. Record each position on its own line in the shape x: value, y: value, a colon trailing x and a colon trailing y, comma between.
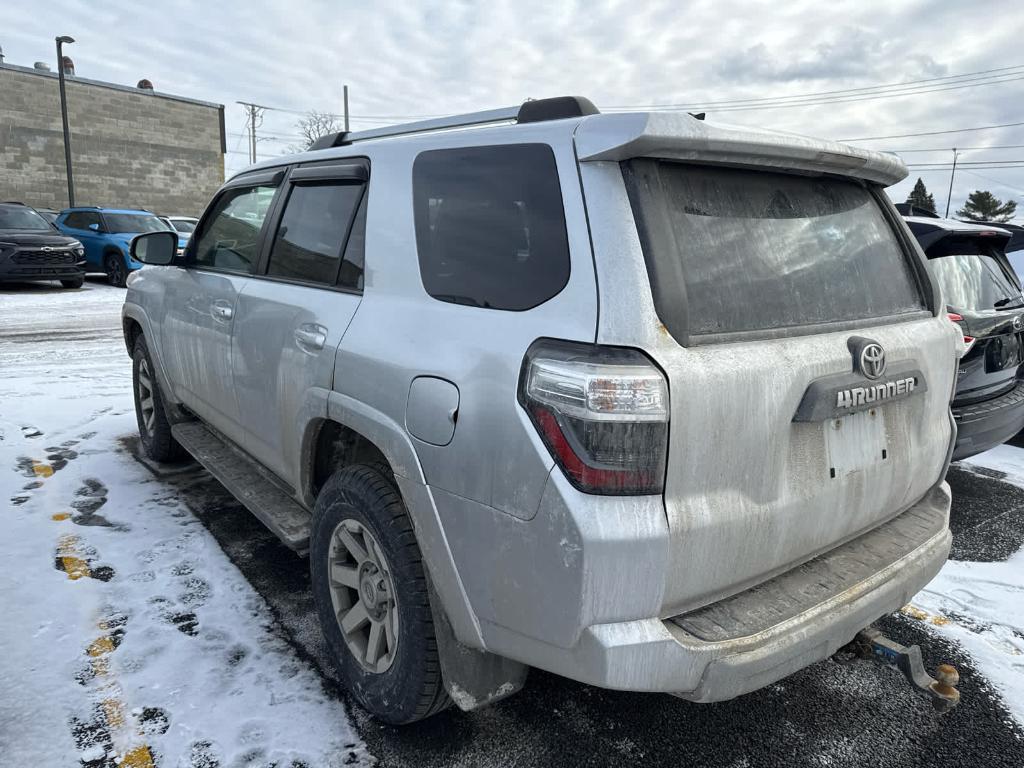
x: 472, y: 678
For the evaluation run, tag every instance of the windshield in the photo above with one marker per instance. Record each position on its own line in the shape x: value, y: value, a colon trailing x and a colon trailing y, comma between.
x: 184, y: 226
x: 22, y: 218
x: 119, y: 223
x: 974, y: 281
x: 733, y: 250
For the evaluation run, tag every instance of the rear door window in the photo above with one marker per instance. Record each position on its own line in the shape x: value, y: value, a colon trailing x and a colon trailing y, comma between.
x: 732, y: 250
x: 230, y: 236
x: 313, y: 232
x: 490, y: 229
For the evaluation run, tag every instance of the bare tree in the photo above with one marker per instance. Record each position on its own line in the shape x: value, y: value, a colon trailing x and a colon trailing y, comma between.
x: 313, y: 126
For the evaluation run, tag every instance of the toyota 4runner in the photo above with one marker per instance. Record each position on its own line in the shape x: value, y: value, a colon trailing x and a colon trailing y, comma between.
x: 645, y: 401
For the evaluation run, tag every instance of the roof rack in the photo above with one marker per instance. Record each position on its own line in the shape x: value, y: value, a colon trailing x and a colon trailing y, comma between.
x: 532, y: 111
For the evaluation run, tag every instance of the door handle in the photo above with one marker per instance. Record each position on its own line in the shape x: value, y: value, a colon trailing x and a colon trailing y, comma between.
x: 221, y: 310
x: 310, y: 337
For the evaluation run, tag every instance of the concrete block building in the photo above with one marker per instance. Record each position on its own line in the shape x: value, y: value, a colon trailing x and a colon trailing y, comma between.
x: 131, y: 147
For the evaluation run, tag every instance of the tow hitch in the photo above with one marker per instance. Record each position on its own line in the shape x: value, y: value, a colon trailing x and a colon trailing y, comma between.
x: 941, y: 688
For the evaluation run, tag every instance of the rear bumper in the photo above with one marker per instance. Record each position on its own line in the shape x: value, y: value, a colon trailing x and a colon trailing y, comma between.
x: 764, y: 634
x: 985, y: 425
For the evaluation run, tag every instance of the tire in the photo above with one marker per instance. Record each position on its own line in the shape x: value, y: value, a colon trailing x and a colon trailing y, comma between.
x: 406, y: 686
x: 73, y: 282
x: 117, y: 273
x: 154, y: 428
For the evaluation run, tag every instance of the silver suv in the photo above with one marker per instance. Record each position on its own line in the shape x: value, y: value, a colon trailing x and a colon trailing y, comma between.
x: 645, y: 401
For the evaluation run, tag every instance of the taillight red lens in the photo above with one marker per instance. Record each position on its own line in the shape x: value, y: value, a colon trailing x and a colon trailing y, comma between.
x: 602, y: 412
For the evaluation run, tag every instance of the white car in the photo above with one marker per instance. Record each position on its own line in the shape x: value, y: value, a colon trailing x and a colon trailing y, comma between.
x: 183, y: 225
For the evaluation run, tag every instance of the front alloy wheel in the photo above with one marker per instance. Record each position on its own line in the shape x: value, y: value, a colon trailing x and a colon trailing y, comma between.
x: 363, y: 596
x: 144, y: 390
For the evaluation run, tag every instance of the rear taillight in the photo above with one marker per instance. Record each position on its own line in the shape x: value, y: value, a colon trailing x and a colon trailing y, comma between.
x: 602, y: 412
x: 968, y: 340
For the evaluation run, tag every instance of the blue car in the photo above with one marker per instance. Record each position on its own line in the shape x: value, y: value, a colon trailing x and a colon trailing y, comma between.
x: 106, y: 234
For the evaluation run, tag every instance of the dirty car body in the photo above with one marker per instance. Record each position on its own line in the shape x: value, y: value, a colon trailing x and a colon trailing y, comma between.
x: 667, y: 401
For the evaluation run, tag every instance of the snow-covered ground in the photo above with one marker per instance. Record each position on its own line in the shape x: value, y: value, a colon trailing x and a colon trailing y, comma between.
x: 981, y: 605
x: 128, y: 637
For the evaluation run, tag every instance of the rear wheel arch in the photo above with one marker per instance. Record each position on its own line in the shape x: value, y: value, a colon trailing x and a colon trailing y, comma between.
x: 334, y: 446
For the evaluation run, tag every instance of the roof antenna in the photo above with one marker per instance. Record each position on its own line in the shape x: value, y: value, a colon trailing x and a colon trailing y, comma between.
x: 698, y: 115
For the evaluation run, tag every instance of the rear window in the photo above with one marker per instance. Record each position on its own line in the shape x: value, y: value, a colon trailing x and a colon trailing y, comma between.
x: 970, y: 276
x: 490, y: 230
x: 732, y: 250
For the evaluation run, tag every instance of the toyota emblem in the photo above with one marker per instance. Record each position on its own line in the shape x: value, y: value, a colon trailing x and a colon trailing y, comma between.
x: 872, y: 360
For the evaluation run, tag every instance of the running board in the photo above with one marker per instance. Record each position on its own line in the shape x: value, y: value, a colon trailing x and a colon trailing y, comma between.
x: 246, y: 480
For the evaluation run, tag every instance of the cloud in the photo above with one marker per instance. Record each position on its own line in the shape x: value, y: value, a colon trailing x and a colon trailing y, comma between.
x: 404, y: 59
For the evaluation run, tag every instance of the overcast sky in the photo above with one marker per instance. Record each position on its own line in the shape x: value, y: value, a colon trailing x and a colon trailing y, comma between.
x: 409, y: 59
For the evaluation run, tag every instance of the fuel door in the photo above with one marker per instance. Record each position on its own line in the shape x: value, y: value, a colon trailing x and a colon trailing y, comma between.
x: 432, y: 410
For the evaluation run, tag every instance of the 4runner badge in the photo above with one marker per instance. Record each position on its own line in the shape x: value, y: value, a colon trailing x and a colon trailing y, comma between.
x: 871, y: 382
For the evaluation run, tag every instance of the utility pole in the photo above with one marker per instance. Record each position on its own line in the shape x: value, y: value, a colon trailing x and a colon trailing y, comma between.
x: 64, y: 116
x: 951, y: 177
x: 344, y: 90
x: 254, y: 112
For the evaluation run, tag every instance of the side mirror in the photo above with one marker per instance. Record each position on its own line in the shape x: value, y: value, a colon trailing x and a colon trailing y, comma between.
x: 94, y: 227
x: 157, y: 248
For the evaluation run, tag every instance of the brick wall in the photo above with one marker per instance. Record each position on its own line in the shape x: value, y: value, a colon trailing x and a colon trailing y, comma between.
x: 130, y: 148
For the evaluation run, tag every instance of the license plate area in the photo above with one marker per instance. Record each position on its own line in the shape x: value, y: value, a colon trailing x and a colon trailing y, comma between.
x: 855, y: 442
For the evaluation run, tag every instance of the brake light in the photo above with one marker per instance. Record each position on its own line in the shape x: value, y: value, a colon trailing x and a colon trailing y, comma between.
x: 602, y: 412
x: 968, y: 340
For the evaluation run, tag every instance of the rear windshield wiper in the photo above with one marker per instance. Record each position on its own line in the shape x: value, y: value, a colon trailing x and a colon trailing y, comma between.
x: 1004, y: 303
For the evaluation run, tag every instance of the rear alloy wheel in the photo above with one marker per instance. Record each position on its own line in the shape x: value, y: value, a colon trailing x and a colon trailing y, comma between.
x: 371, y: 595
x: 363, y: 596
x: 117, y: 274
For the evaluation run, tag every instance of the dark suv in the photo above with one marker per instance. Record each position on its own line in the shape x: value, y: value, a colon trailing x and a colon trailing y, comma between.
x: 32, y: 249
x: 983, y: 296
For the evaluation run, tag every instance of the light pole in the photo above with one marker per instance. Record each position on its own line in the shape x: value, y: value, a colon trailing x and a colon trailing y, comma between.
x: 952, y: 176
x: 64, y: 116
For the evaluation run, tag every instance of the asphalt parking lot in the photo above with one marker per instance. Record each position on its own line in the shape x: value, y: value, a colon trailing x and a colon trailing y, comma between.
x: 845, y: 711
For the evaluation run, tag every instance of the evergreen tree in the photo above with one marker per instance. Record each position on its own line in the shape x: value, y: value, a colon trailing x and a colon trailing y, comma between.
x: 984, y: 206
x: 919, y: 197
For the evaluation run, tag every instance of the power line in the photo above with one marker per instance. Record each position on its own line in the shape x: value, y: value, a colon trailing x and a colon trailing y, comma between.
x: 949, y: 167
x: 995, y: 181
x: 733, y: 102
x: 958, y: 149
x: 850, y: 100
x: 933, y: 133
x: 1006, y: 161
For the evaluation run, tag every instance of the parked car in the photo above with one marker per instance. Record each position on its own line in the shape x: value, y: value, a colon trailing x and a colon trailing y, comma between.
x: 1015, y: 245
x: 106, y: 233
x: 32, y: 249
x: 983, y: 296
x: 184, y: 225
x: 644, y: 401
x: 49, y: 214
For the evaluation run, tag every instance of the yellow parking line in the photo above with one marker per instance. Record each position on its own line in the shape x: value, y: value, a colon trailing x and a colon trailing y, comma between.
x: 99, y: 651
x: 74, y: 566
x: 916, y: 613
x: 41, y: 469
